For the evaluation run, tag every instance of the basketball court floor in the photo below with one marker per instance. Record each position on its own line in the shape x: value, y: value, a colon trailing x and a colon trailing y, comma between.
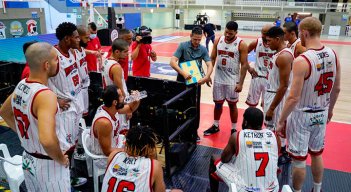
x: 194, y: 176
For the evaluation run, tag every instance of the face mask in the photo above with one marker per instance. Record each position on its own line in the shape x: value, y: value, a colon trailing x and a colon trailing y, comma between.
x: 92, y: 36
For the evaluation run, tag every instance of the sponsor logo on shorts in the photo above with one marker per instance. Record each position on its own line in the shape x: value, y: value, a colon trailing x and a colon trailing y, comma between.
x: 294, y: 151
x: 252, y: 189
x: 317, y: 120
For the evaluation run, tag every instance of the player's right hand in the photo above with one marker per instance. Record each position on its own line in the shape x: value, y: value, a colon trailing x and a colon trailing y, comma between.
x: 253, y: 72
x: 64, y: 104
x: 187, y: 76
x: 65, y: 160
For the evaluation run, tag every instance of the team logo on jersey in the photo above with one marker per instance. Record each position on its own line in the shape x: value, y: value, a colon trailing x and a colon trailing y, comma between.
x: 31, y: 27
x: 317, y: 120
x: 119, y: 170
x: 269, y: 134
x: 249, y: 144
x: 320, y: 66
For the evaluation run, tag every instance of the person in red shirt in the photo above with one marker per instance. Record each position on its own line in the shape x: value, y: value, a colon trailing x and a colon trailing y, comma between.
x: 26, y: 70
x: 141, y: 55
x: 93, y: 49
x: 126, y: 35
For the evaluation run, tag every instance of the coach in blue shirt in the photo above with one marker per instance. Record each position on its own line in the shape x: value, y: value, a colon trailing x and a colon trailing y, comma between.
x: 188, y: 51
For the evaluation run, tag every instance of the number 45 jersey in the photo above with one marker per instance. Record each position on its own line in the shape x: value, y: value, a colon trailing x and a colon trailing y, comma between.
x: 256, y: 160
x: 319, y: 84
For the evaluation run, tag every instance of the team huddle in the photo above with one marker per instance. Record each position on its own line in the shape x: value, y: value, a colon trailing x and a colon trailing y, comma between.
x: 298, y: 84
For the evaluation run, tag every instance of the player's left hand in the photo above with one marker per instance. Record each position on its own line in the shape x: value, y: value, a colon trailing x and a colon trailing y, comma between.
x: 269, y: 115
x: 203, y: 80
x: 238, y: 88
x: 129, y: 116
x: 280, y: 128
x: 153, y: 53
x: 209, y: 82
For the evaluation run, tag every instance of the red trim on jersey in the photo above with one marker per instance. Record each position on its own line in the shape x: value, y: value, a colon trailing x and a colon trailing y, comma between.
x: 251, y: 105
x: 315, y: 153
x: 109, y: 163
x: 85, y: 114
x: 112, y: 116
x: 256, y: 44
x: 109, y: 71
x: 282, y: 51
x: 292, y: 43
x: 219, y: 101
x: 64, y: 54
x: 74, y: 54
x: 310, y: 65
x: 336, y: 58
x: 299, y: 158
x: 216, y: 177
x: 319, y: 49
x: 237, y: 143
x: 95, y: 122
x: 29, y: 81
x: 151, y: 174
x: 35, y: 95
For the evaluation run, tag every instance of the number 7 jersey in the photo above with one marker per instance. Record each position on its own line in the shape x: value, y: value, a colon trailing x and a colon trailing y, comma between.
x: 318, y: 85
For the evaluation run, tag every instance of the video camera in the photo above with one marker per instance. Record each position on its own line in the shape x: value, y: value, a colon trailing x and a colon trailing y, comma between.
x: 144, y: 32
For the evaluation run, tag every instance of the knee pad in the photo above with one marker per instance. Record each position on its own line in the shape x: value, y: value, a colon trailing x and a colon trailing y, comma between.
x: 218, y: 105
x: 299, y: 164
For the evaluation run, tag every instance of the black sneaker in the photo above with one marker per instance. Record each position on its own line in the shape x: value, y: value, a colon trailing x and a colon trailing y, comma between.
x: 212, y: 130
x: 283, y: 159
x: 232, y: 131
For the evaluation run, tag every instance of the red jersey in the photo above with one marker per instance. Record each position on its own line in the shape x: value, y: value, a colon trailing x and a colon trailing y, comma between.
x: 123, y: 62
x: 93, y: 45
x: 141, y: 65
x: 25, y: 72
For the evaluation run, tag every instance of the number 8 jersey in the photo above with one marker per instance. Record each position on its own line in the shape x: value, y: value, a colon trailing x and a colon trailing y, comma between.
x: 319, y: 84
x: 256, y: 160
x: 26, y: 122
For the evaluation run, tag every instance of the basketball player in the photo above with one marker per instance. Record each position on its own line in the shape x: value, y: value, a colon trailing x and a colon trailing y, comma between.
x: 230, y: 54
x: 309, y: 106
x: 104, y: 132
x: 31, y: 111
x: 250, y: 158
x: 112, y: 74
x: 291, y: 35
x: 134, y: 169
x: 83, y: 67
x: 278, y: 81
x: 259, y: 72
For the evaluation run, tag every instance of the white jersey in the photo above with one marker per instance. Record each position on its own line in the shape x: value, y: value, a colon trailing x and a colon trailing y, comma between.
x: 228, y: 62
x: 107, y: 76
x: 82, y: 67
x: 263, y: 58
x: 273, y: 76
x: 257, y: 160
x: 293, y: 47
x: 26, y: 122
x: 66, y: 83
x: 126, y: 173
x: 94, y: 144
x: 319, y: 84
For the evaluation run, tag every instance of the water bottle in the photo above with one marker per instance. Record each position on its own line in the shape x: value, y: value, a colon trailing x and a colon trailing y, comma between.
x: 134, y: 97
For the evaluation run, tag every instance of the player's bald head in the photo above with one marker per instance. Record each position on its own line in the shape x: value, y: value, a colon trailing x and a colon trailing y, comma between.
x: 312, y: 25
x: 37, y: 54
x: 82, y: 30
x: 266, y: 27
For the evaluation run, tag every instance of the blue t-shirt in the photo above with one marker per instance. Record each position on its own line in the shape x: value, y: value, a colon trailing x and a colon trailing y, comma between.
x: 297, y: 21
x: 288, y: 19
x: 278, y: 23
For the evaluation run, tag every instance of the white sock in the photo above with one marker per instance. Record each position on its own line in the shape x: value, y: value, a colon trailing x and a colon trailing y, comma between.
x: 233, y: 125
x: 216, y: 123
x: 317, y: 187
x: 296, y: 190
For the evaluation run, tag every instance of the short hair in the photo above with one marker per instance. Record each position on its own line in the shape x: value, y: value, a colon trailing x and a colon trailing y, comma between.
x: 65, y: 29
x: 254, y: 118
x: 92, y: 26
x: 122, y: 32
x: 82, y: 29
x: 110, y: 94
x: 37, y: 54
x: 275, y: 32
x: 291, y: 27
x: 232, y: 25
x: 27, y: 44
x: 196, y: 30
x: 119, y: 44
x: 312, y: 25
x: 141, y: 141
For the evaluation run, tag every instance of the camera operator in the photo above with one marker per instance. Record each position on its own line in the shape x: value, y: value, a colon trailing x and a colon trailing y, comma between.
x: 142, y: 52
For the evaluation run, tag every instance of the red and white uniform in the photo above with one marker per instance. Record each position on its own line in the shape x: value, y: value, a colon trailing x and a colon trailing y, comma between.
x: 107, y: 80
x: 84, y: 76
x: 227, y: 71
x: 254, y: 166
x: 293, y: 47
x: 307, y: 123
x: 126, y: 173
x: 258, y: 85
x: 41, y: 173
x: 67, y: 85
x: 271, y: 90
